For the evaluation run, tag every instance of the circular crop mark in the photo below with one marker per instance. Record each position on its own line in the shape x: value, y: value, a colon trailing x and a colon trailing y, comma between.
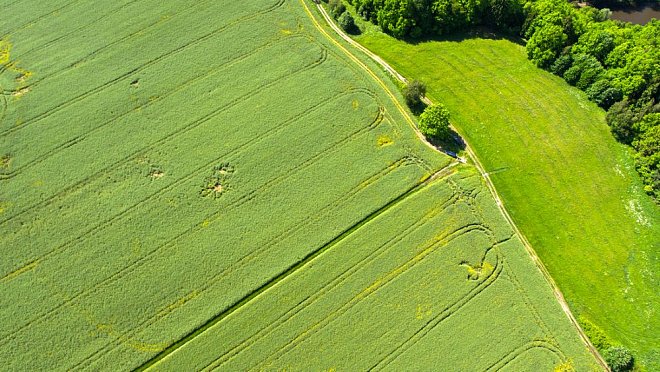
x: 384, y: 141
x: 156, y: 173
x: 478, y: 271
x: 217, y: 183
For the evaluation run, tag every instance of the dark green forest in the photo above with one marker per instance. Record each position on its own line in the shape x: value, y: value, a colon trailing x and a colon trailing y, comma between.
x: 616, y: 63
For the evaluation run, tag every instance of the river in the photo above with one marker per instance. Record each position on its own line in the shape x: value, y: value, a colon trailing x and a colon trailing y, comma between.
x: 639, y: 15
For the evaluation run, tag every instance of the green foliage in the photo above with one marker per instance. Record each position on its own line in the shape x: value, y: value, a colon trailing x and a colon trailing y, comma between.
x: 621, y: 118
x: 394, y: 17
x: 604, y: 93
x: 434, y: 121
x: 647, y: 159
x: 337, y: 8
x: 584, y: 71
x: 416, y: 18
x: 596, y: 335
x: 504, y: 15
x: 543, y: 14
x: 413, y: 93
x: 562, y: 64
x: 544, y: 46
x: 347, y: 23
x: 598, y: 41
x: 455, y: 15
x: 619, y: 359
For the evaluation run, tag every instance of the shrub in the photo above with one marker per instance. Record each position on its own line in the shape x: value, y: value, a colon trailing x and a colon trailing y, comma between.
x: 585, y: 71
x: 604, y: 94
x: 413, y: 93
x: 621, y: 118
x: 595, y: 334
x: 434, y: 122
x: 337, y: 8
x: 647, y: 158
x: 619, y: 359
x: 347, y: 23
x: 562, y: 64
x: 545, y: 45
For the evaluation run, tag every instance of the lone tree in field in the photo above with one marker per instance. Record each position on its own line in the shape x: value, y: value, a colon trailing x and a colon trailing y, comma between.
x: 434, y: 122
x: 619, y: 359
x: 413, y: 93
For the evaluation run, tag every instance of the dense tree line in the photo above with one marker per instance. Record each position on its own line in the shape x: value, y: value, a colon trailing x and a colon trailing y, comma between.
x: 416, y: 18
x: 616, y: 63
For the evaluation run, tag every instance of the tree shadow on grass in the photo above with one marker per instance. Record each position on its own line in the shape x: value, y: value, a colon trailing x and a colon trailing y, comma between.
x: 453, y: 143
x: 418, y: 108
x: 475, y: 33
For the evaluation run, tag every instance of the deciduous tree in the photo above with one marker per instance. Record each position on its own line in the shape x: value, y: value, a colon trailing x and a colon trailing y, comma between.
x: 434, y: 122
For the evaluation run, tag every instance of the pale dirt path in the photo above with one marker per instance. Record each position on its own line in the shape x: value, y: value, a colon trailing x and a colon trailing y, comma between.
x: 491, y: 187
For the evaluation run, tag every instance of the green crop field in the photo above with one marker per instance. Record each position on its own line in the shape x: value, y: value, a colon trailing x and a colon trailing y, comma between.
x: 428, y: 272
x: 567, y: 184
x: 220, y: 184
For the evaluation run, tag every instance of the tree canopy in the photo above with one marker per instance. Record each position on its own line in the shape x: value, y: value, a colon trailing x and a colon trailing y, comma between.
x: 434, y: 122
x: 413, y: 93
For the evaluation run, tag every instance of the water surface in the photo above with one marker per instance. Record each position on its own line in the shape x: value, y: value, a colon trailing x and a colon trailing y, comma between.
x: 639, y: 15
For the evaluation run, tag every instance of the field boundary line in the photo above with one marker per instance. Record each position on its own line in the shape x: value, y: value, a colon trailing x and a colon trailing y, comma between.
x: 328, y: 287
x: 295, y: 267
x: 491, y: 187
